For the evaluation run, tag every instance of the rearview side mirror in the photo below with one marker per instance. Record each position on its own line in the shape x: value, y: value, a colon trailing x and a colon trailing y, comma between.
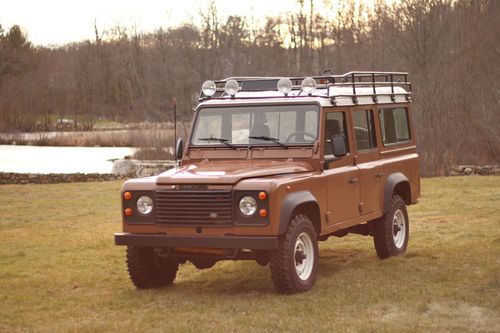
x: 179, y: 148
x: 339, y: 145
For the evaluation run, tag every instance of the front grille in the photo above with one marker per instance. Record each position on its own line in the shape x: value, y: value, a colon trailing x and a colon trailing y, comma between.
x: 194, y: 207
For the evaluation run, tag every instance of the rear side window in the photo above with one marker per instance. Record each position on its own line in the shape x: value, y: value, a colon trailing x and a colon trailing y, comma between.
x: 394, y: 126
x: 364, y: 130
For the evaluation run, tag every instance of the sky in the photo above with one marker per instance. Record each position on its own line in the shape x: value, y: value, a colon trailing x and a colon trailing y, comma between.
x: 56, y: 22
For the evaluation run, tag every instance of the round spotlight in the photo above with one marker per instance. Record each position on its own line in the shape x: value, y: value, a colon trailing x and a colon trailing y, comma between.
x: 209, y: 88
x: 284, y: 85
x: 231, y: 87
x: 308, y: 85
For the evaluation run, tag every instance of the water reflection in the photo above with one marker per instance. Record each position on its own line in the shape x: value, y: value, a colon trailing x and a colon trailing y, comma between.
x: 36, y: 159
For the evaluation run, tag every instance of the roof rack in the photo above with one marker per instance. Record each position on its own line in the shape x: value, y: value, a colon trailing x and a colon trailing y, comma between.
x: 358, y: 83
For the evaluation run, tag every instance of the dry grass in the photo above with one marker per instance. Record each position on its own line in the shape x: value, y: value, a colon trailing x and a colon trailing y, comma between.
x: 152, y: 143
x: 59, y: 271
x: 118, y: 138
x: 155, y: 136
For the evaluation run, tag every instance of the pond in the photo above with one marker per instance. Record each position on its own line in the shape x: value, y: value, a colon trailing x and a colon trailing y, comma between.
x: 36, y: 159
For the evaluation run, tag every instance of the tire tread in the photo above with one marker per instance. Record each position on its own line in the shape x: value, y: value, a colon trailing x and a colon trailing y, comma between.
x: 282, y: 273
x: 143, y: 271
x: 382, y: 231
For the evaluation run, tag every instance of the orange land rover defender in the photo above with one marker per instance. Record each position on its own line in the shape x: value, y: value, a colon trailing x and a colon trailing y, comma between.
x: 271, y: 167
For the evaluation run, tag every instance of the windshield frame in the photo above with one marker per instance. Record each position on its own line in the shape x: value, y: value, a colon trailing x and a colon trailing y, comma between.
x: 316, y: 104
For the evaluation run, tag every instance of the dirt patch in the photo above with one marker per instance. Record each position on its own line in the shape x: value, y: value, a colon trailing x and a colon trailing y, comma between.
x: 454, y: 315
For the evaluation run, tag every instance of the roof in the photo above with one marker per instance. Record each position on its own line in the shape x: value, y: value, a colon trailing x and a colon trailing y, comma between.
x: 353, y: 88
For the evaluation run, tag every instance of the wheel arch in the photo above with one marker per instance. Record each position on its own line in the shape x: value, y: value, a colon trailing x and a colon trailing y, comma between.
x: 299, y: 202
x: 396, y: 183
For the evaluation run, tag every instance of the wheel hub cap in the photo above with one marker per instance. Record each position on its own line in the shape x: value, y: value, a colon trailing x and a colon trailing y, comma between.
x: 299, y: 257
x: 399, y: 228
x: 304, y: 256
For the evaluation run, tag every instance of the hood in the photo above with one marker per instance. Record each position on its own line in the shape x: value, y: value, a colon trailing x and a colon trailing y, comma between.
x: 229, y: 172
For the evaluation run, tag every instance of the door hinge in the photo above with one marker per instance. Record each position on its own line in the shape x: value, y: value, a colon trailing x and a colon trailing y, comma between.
x: 360, y: 207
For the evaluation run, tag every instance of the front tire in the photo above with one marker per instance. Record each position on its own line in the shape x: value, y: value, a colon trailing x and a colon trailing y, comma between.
x: 294, y: 265
x: 147, y: 269
x: 391, y: 231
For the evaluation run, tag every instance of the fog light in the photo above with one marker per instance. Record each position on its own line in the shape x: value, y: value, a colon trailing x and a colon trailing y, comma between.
x: 128, y: 211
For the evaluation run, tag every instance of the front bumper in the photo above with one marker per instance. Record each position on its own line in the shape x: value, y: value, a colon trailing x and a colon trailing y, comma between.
x: 219, y: 242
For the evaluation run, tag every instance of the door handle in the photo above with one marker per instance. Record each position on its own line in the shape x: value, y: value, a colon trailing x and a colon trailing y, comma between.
x: 354, y: 181
x: 379, y: 175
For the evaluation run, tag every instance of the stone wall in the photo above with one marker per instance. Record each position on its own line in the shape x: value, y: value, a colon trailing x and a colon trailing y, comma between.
x: 122, y: 169
x: 139, y: 168
x: 466, y: 170
x: 52, y: 178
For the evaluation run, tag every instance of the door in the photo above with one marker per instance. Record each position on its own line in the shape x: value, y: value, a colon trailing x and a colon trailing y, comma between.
x: 366, y: 158
x: 342, y: 176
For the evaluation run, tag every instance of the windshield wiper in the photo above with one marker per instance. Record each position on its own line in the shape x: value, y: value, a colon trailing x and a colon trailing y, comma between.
x: 221, y: 140
x: 268, y: 138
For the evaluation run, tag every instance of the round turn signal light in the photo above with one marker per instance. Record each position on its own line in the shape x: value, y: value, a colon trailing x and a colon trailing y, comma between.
x: 263, y: 213
x: 128, y: 211
x: 262, y: 195
x: 127, y: 195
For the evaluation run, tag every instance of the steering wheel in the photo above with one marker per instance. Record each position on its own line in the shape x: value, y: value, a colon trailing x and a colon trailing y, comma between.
x: 312, y: 136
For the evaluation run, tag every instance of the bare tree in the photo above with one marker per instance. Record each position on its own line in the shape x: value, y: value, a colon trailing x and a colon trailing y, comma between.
x: 450, y: 47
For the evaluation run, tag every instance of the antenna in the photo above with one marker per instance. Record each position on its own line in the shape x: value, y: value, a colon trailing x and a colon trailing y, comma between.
x: 174, y: 101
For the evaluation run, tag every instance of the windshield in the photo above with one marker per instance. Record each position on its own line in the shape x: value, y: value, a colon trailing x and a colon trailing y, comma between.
x: 260, y: 125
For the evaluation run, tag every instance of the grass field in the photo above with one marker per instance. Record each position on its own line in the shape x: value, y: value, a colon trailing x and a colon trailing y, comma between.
x: 60, y: 272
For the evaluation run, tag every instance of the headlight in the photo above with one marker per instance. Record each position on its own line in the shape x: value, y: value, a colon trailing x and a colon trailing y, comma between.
x: 248, y: 205
x: 145, y: 205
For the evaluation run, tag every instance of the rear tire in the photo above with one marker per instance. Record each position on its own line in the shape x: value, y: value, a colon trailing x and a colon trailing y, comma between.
x: 391, y: 231
x: 147, y: 269
x: 294, y: 265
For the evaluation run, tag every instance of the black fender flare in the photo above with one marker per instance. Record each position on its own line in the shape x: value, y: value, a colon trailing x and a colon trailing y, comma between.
x: 292, y: 201
x: 390, y: 184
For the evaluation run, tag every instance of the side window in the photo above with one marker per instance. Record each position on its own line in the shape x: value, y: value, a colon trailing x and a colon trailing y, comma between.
x: 335, y: 124
x: 394, y: 124
x: 364, y: 129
